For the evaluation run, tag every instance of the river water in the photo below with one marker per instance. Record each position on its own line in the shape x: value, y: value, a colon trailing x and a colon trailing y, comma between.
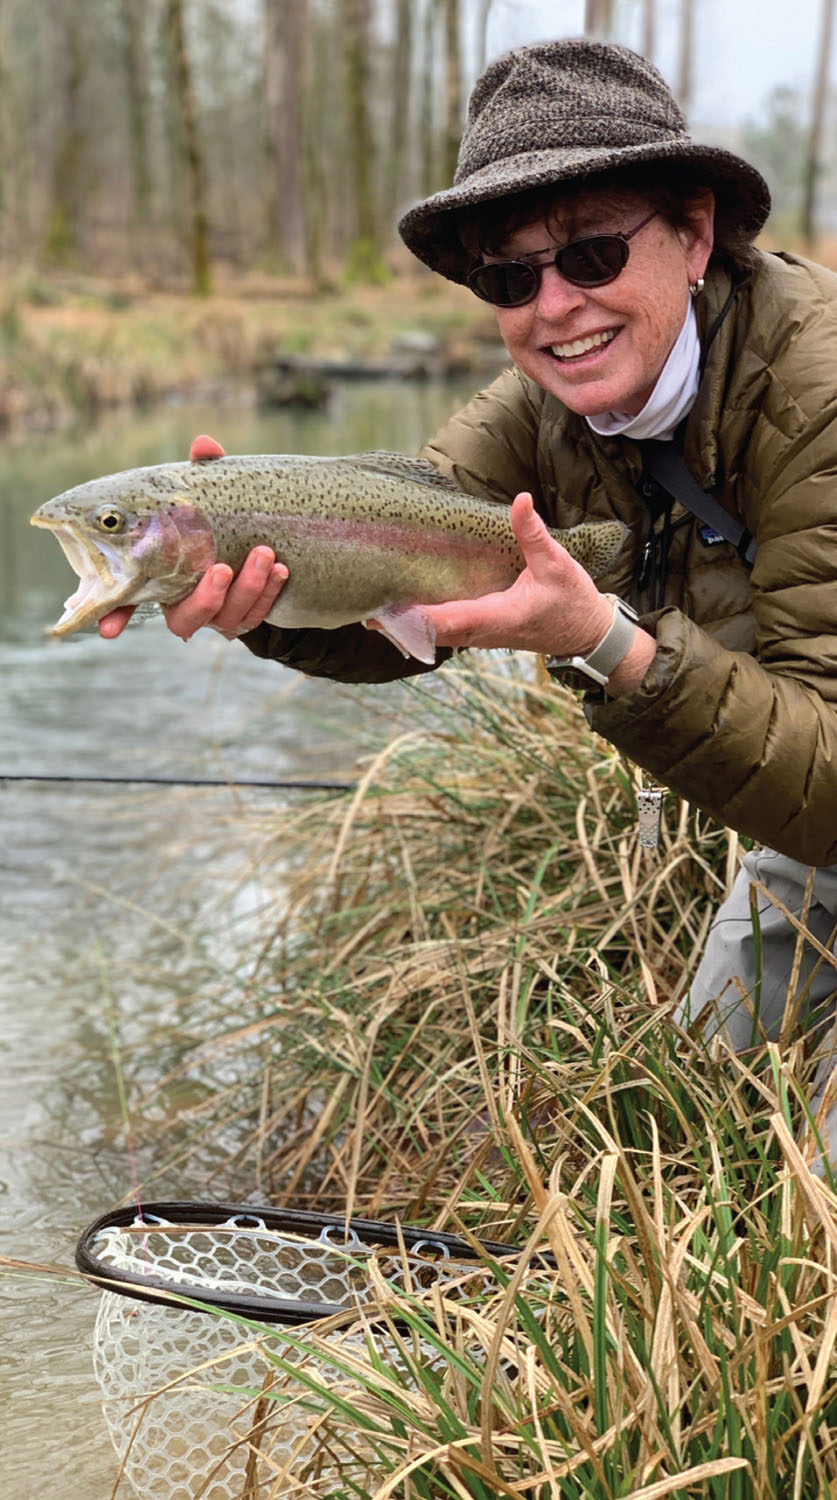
x: 114, y: 901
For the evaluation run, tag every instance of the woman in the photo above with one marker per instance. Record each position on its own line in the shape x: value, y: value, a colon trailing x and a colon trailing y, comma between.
x: 618, y: 255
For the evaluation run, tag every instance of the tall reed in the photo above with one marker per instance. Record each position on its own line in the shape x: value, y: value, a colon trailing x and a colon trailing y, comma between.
x: 463, y: 1018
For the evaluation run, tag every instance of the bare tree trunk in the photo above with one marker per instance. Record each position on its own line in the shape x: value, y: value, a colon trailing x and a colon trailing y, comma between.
x: 685, y: 71
x: 649, y: 29
x: 195, y: 172
x: 315, y: 187
x: 427, y: 132
x: 286, y: 25
x: 364, y: 259
x: 482, y: 33
x: 273, y: 13
x: 7, y: 152
x: 813, y: 163
x: 135, y: 55
x: 598, y: 18
x: 61, y: 242
x: 401, y: 72
x: 453, y: 87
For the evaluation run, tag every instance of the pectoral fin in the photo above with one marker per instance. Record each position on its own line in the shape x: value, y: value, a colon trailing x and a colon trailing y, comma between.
x: 410, y: 629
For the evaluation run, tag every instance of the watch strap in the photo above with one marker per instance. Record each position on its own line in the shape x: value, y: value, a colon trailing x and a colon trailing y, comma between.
x: 611, y: 650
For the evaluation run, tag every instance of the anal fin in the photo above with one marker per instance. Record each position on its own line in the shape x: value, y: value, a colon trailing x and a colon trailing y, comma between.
x: 410, y: 629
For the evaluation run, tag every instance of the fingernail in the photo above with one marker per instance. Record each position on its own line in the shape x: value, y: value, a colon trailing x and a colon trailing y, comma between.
x: 279, y: 571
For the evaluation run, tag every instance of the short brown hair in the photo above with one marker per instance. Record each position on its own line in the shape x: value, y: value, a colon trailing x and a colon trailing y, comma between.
x: 668, y: 187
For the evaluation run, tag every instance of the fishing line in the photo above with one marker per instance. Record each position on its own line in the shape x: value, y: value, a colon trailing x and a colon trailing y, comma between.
x: 281, y: 786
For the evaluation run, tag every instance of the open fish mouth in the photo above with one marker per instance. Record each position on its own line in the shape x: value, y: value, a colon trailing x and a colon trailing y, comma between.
x: 103, y: 581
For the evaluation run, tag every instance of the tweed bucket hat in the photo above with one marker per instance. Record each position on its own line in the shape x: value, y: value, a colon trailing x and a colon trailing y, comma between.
x: 558, y: 111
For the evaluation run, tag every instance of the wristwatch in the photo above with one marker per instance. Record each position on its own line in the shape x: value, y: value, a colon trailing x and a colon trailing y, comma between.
x: 604, y: 658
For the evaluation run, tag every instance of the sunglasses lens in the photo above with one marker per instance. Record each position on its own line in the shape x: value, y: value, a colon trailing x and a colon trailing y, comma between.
x: 594, y: 261
x: 507, y: 283
x: 589, y: 262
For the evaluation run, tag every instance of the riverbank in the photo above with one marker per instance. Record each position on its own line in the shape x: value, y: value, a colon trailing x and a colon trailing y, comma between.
x: 463, y: 1021
x: 73, y: 346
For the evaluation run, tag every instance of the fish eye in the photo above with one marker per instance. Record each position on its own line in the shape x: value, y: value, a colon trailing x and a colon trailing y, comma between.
x: 110, y: 519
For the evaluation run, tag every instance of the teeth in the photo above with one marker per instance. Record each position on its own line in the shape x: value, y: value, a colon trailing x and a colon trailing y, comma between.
x: 583, y: 346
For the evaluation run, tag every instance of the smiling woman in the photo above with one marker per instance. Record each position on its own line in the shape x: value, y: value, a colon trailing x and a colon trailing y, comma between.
x: 619, y: 255
x: 599, y: 341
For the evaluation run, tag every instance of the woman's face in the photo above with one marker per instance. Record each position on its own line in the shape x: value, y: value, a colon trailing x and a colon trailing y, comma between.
x: 601, y: 349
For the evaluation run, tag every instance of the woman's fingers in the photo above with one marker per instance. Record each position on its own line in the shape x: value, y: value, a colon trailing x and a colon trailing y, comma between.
x: 230, y: 605
x: 486, y: 621
x: 251, y: 596
x: 202, y: 605
x: 552, y: 606
x: 544, y: 556
x: 113, y: 624
x: 205, y: 448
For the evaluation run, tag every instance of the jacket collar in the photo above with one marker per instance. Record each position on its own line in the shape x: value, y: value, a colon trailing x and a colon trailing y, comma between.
x: 717, y: 333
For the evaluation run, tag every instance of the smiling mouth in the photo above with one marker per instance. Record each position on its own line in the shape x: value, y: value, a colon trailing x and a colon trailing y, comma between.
x: 578, y: 348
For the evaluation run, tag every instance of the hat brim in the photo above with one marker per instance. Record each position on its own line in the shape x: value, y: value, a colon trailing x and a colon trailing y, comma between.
x: 430, y: 229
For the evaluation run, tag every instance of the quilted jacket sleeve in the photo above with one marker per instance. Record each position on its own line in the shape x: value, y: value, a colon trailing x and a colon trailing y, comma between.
x: 494, y: 439
x: 349, y: 654
x: 753, y: 740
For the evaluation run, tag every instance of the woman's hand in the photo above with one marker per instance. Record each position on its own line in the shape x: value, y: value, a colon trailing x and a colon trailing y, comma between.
x: 553, y: 607
x: 231, y: 604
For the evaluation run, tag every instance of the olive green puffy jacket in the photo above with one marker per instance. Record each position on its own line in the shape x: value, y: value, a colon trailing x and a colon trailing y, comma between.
x: 738, y: 711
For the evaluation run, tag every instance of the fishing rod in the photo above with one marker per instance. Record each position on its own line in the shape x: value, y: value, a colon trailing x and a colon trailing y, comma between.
x: 289, y: 785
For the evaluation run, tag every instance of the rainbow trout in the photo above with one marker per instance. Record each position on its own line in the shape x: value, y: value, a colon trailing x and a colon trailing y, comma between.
x: 369, y: 535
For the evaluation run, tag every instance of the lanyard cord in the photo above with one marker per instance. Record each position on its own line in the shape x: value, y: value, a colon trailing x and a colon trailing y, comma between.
x: 652, y: 568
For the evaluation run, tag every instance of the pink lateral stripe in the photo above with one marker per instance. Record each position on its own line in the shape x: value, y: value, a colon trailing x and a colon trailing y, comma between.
x: 398, y: 536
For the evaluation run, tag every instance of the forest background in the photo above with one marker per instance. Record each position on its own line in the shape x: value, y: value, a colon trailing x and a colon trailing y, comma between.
x: 181, y: 139
x: 157, y: 155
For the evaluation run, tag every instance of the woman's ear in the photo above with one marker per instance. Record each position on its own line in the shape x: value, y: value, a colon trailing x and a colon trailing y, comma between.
x: 698, y: 236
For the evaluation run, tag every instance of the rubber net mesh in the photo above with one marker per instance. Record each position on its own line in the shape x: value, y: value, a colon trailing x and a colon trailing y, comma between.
x: 194, y: 1404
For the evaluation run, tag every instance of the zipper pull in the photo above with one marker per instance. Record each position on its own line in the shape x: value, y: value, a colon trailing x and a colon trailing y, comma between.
x: 645, y: 564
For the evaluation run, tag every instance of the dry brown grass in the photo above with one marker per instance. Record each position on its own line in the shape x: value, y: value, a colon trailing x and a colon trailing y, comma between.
x: 76, y: 344
x: 461, y: 1017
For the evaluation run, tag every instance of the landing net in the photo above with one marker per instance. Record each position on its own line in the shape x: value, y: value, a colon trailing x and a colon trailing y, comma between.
x: 196, y: 1406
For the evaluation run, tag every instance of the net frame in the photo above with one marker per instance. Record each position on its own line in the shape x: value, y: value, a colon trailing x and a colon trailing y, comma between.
x: 319, y: 1228
x: 174, y: 1378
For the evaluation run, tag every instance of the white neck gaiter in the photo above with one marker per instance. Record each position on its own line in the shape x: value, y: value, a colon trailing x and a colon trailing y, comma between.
x: 671, y: 398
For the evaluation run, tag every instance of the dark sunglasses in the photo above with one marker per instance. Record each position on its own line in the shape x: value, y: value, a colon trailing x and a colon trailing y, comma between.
x: 592, y: 261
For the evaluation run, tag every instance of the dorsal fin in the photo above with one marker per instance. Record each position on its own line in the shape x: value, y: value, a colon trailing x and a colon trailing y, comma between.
x: 403, y: 466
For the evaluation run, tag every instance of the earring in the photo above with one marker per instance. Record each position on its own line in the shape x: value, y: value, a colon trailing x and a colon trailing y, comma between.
x: 696, y: 287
